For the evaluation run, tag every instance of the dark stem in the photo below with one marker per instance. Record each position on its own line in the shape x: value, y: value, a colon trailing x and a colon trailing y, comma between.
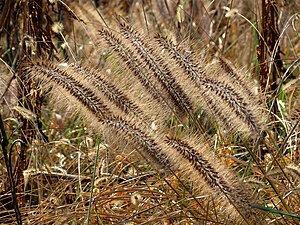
x: 4, y: 144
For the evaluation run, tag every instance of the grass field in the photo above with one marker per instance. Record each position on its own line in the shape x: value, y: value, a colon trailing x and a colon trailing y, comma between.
x: 150, y: 112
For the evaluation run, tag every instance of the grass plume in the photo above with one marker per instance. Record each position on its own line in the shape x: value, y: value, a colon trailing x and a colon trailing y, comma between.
x: 94, y: 109
x: 61, y: 77
x: 115, y: 95
x: 133, y: 62
x: 215, y: 179
x: 150, y: 77
x: 99, y: 97
x: 159, y: 68
x: 242, y: 115
x: 166, y: 156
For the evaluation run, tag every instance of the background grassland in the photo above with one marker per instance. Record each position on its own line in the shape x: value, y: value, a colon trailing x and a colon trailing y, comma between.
x: 94, y: 130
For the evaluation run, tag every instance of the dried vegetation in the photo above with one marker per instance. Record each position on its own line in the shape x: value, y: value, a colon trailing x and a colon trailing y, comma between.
x: 130, y: 112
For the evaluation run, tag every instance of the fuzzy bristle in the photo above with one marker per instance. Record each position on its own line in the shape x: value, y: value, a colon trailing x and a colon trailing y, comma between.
x: 150, y: 146
x: 65, y: 80
x: 214, y: 179
x: 134, y: 64
x: 116, y: 103
x: 115, y: 95
x: 159, y: 68
x: 227, y: 95
x: 96, y: 111
x: 235, y: 76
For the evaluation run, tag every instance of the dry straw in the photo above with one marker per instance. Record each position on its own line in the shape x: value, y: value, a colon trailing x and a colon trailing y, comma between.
x: 107, y: 104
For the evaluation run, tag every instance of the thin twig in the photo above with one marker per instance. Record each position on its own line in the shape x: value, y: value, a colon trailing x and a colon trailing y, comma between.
x: 4, y: 144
